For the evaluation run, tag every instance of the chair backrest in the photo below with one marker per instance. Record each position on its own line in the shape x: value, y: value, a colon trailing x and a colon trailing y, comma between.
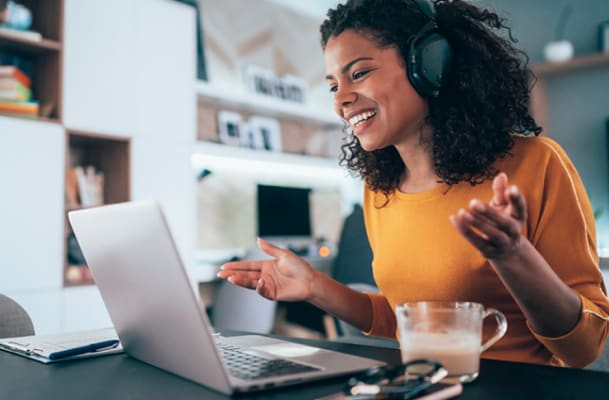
x: 353, y: 263
x: 14, y: 320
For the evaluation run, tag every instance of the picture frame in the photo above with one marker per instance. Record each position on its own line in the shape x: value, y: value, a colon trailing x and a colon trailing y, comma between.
x: 260, y: 80
x: 267, y: 133
x: 294, y: 87
x: 263, y: 81
x: 250, y: 138
x: 280, y: 90
x: 229, y: 127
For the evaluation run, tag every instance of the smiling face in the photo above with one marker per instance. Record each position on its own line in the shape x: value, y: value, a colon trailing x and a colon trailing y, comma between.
x: 372, y: 92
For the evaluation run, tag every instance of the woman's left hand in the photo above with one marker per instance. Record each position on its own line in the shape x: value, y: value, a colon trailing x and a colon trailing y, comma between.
x: 494, y: 228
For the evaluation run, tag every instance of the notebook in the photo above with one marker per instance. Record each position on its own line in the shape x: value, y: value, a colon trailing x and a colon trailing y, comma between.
x: 60, y: 347
x: 146, y: 290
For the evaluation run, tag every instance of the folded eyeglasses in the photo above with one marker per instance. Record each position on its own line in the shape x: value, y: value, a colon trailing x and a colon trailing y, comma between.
x: 404, y: 381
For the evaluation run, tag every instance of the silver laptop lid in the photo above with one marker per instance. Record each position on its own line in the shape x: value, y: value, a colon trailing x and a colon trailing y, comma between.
x: 146, y: 320
x: 144, y: 285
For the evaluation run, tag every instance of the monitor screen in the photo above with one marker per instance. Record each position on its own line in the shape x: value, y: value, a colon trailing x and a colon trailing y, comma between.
x: 283, y: 211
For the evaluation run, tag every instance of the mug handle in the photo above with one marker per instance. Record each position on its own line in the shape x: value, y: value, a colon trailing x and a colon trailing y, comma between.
x: 501, y: 327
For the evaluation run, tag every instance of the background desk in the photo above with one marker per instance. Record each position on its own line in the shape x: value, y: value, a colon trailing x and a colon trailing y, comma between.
x: 121, y: 377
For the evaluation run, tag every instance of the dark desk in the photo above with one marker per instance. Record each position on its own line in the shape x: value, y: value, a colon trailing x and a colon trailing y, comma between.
x: 121, y: 377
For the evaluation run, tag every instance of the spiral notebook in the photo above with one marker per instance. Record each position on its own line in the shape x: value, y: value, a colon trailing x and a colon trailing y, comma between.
x: 64, y: 346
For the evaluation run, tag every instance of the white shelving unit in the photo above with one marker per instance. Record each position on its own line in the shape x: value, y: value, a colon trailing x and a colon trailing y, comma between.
x: 265, y: 105
x: 215, y: 155
x: 34, y: 154
x: 275, y: 157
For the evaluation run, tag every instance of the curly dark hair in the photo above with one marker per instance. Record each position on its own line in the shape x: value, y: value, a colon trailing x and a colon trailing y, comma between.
x: 484, y: 96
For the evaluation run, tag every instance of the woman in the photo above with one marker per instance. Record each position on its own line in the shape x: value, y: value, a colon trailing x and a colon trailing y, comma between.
x: 459, y: 204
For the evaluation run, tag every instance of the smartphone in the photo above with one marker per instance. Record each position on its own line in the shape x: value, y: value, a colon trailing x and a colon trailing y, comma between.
x: 440, y: 391
x: 437, y: 391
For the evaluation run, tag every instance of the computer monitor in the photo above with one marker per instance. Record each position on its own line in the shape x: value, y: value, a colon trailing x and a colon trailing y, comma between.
x: 283, y: 212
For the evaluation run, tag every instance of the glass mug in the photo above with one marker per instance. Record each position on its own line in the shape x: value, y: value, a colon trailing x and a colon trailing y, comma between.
x: 449, y: 332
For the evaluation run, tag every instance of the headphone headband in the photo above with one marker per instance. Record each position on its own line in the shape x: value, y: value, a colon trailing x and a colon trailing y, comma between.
x: 427, y: 8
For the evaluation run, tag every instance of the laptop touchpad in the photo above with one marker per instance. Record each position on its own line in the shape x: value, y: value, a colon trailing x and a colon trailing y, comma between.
x: 287, y: 349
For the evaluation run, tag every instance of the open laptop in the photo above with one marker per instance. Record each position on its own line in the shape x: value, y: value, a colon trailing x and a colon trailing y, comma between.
x: 155, y: 312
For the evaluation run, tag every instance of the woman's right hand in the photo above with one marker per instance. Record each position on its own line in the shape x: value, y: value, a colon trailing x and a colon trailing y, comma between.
x: 284, y: 277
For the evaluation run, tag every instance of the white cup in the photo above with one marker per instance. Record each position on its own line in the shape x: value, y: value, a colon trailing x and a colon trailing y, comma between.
x: 448, y: 332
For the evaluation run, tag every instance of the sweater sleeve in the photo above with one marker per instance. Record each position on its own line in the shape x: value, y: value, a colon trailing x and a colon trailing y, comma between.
x: 383, y: 318
x: 564, y: 233
x: 584, y: 343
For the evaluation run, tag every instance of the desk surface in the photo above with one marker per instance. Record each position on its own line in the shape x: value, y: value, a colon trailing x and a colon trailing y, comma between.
x: 121, y: 377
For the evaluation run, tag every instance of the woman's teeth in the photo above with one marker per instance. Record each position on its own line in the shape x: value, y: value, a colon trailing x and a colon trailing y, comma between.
x: 359, y: 118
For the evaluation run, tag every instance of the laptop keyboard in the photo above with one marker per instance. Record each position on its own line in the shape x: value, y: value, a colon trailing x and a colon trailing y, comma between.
x: 243, y: 364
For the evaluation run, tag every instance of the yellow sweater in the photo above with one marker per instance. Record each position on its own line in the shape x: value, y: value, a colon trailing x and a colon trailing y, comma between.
x: 419, y: 255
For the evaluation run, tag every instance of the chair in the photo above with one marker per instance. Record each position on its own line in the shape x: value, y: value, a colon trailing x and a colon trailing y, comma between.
x: 14, y: 320
x: 353, y: 263
x: 353, y: 267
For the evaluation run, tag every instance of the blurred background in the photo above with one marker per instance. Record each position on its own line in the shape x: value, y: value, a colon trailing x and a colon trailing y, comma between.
x: 219, y: 111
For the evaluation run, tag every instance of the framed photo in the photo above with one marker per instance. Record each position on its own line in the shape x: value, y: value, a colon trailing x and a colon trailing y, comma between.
x: 250, y: 138
x: 280, y: 90
x: 260, y: 80
x: 294, y: 88
x: 229, y: 127
x: 267, y: 132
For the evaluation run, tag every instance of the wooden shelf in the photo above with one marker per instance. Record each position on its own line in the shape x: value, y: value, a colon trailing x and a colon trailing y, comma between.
x: 29, y: 118
x: 26, y: 46
x: 218, y: 150
x: 267, y: 164
x: 539, y: 95
x: 265, y: 105
x: 109, y: 155
x: 575, y: 64
x: 40, y: 59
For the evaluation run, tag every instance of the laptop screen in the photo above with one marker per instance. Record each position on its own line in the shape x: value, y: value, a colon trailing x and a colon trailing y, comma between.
x: 283, y: 211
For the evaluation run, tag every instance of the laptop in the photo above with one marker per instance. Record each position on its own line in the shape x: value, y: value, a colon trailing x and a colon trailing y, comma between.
x: 146, y: 290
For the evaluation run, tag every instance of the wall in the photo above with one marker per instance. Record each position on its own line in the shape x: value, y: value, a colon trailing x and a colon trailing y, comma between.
x: 314, y: 8
x: 270, y: 36
x: 577, y: 101
x: 275, y: 36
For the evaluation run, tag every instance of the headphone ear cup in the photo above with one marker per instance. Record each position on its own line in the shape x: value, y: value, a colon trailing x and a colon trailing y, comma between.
x: 429, y: 54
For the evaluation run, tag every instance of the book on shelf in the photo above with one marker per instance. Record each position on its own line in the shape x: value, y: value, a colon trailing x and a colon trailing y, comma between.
x: 90, y: 185
x: 19, y: 108
x: 20, y: 33
x: 16, y: 92
x: 72, y: 201
x: 11, y: 84
x: 18, y: 115
x: 13, y: 72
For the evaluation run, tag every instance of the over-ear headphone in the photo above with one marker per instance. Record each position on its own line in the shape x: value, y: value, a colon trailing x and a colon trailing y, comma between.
x: 429, y: 54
